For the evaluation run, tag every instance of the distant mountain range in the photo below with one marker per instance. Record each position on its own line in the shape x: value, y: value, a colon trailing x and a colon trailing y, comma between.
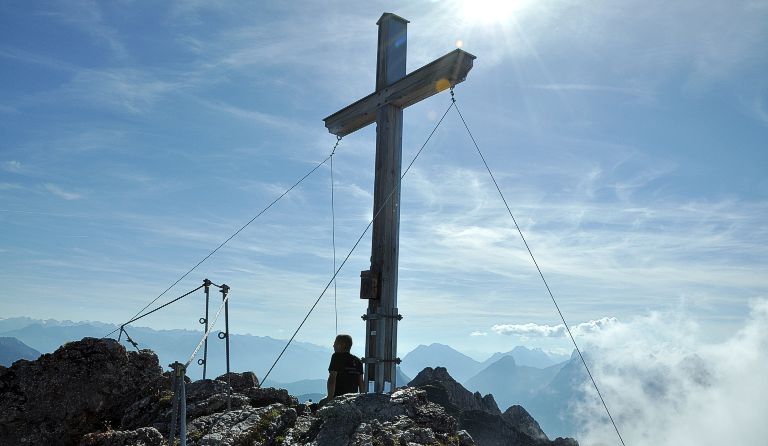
x: 511, y: 383
x: 546, y: 385
x: 302, y: 360
x: 11, y: 350
x: 462, y: 367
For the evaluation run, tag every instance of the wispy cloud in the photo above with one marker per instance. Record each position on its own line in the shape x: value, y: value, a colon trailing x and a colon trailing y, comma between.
x: 591, y: 88
x: 12, y: 166
x: 61, y: 193
x: 256, y: 116
x: 479, y: 333
x: 537, y: 330
x: 86, y: 15
x: 761, y: 109
x: 131, y: 90
x: 34, y: 58
x: 10, y: 186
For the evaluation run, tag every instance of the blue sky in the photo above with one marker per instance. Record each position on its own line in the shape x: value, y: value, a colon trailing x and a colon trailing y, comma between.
x: 629, y: 138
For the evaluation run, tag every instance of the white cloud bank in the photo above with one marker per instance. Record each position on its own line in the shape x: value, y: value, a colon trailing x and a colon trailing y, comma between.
x: 664, y: 387
x: 532, y: 330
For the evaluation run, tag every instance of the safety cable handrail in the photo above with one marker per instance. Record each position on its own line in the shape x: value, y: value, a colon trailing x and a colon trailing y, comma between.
x: 541, y: 274
x: 386, y: 200
x: 208, y: 332
x: 265, y: 209
x: 162, y: 306
x: 122, y: 329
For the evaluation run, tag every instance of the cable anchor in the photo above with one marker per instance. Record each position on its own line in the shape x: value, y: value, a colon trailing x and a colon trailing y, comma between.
x: 128, y: 338
x: 338, y: 140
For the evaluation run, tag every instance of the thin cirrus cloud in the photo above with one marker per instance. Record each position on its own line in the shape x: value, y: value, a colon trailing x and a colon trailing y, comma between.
x: 61, y: 193
x: 591, y: 88
x: 134, y: 91
x: 12, y: 166
x: 87, y: 17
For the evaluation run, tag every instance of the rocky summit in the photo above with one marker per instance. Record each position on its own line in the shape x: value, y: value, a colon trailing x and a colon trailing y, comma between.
x: 480, y: 415
x: 95, y: 393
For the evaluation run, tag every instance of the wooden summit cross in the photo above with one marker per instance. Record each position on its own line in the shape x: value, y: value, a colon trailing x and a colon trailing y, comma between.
x: 394, y: 92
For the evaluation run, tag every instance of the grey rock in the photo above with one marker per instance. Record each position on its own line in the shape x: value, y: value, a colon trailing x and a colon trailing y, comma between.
x: 81, y: 387
x: 301, y: 431
x: 145, y: 436
x: 260, y: 397
x: 479, y: 415
x: 517, y: 416
x: 450, y: 394
x: 261, y: 426
x: 406, y: 417
x: 239, y: 381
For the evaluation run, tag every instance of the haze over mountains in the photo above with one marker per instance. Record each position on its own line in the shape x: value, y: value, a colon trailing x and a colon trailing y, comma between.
x: 248, y: 353
x: 462, y: 367
x: 11, y: 349
x: 544, y: 383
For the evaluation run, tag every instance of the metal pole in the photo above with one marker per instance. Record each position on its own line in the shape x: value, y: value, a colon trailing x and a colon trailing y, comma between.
x: 183, y: 398
x: 207, y: 284
x: 175, y: 410
x: 224, y: 291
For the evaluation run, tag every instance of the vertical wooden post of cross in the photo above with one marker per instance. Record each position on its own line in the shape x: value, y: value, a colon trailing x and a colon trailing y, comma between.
x: 394, y: 91
x: 390, y: 67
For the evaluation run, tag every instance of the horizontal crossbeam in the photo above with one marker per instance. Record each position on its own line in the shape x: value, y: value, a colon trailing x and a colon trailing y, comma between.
x: 430, y: 79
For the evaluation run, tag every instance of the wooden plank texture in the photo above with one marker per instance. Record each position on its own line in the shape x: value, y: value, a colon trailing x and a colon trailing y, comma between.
x: 428, y: 80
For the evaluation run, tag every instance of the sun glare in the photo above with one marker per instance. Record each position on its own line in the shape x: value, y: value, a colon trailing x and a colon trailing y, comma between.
x: 489, y: 11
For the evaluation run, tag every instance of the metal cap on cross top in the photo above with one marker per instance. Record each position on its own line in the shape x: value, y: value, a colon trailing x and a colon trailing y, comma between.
x: 394, y: 91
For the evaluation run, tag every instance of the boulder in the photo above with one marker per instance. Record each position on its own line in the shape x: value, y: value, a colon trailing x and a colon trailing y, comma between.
x: 239, y: 381
x: 82, y: 387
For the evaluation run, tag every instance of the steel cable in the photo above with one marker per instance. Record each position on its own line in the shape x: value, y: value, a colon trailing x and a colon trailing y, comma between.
x: 233, y: 235
x: 541, y: 274
x: 386, y: 200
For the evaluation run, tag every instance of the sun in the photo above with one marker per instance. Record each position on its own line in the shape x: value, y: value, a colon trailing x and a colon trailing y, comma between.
x: 487, y: 12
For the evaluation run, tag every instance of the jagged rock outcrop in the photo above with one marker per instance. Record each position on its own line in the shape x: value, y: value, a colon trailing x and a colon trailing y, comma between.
x: 82, y: 387
x: 517, y: 416
x: 480, y: 416
x: 444, y: 390
x: 95, y: 393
